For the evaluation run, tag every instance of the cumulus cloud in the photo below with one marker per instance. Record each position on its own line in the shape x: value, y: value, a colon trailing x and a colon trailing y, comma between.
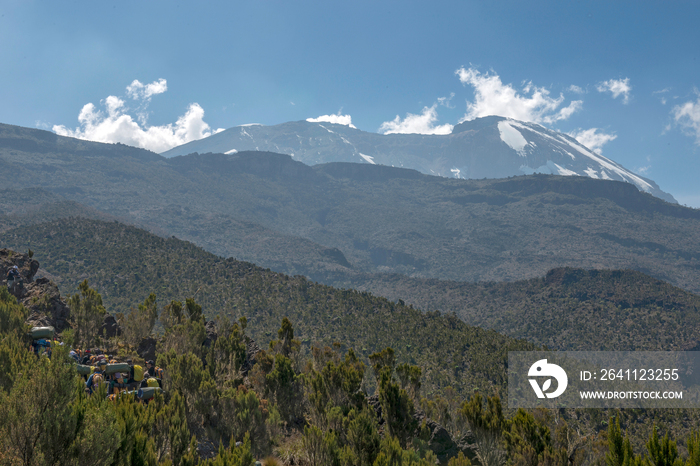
x: 137, y: 90
x: 114, y: 124
x: 618, y: 87
x: 687, y: 116
x: 416, y: 124
x: 592, y: 138
x: 337, y: 119
x: 492, y: 97
x: 576, y: 89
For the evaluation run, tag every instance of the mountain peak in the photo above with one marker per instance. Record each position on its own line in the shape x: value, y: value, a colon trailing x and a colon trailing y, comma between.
x: 487, y: 147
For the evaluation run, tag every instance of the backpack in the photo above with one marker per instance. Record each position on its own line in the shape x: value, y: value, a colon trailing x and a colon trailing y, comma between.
x: 152, y: 382
x: 159, y: 373
x: 138, y: 373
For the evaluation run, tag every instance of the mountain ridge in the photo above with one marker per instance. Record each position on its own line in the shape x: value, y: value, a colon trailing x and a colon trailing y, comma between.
x: 488, y: 147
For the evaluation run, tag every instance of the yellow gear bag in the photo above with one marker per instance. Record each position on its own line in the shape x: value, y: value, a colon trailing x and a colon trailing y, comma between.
x: 138, y: 373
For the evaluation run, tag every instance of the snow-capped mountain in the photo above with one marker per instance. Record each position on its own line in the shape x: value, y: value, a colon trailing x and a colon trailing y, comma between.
x: 490, y: 147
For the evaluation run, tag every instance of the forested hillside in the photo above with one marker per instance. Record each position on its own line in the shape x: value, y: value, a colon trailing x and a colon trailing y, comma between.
x: 584, y: 310
x: 126, y: 264
x: 568, y: 309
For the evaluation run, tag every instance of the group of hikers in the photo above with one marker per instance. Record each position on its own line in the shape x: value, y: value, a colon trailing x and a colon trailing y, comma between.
x: 96, y: 367
x: 100, y: 369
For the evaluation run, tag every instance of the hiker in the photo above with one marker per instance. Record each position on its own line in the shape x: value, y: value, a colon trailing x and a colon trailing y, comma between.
x: 118, y: 384
x: 153, y: 376
x: 93, y: 382
x: 13, y: 278
x: 86, y: 357
x: 41, y: 346
x: 136, y: 374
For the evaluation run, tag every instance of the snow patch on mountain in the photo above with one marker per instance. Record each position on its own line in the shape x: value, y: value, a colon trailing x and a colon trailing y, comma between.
x: 590, y: 172
x: 368, y: 158
x: 512, y: 137
x: 604, y: 162
x: 232, y: 151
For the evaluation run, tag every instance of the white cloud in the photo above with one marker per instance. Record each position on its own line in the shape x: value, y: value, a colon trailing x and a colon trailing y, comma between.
x: 446, y: 101
x: 576, y: 89
x: 618, y: 87
x: 138, y: 91
x: 592, y: 138
x: 337, y: 119
x: 492, y: 97
x: 687, y: 116
x: 116, y: 125
x: 416, y: 124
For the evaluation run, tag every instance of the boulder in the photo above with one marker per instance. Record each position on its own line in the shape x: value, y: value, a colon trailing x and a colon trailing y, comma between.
x: 110, y: 328
x: 45, y: 304
x: 147, y: 348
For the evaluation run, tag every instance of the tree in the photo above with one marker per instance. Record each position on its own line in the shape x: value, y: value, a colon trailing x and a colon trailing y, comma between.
x: 87, y: 315
x: 397, y: 408
x: 38, y: 422
x: 662, y: 452
x: 241, y: 412
x: 620, y: 451
x: 139, y: 323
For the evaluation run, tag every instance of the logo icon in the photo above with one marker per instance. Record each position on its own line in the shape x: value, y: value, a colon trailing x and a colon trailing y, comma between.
x: 543, y: 369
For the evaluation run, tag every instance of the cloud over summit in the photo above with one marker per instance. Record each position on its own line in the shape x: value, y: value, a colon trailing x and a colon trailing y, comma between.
x: 114, y: 124
x: 492, y: 97
x: 337, y: 119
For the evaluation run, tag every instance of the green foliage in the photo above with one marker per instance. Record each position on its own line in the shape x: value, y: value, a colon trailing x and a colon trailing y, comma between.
x: 227, y: 355
x: 620, y: 451
x: 185, y: 373
x: 87, y: 315
x: 241, y: 412
x: 335, y: 384
x: 397, y: 408
x: 138, y: 324
x: 693, y: 445
x: 321, y: 448
x: 459, y: 460
x: 362, y: 437
x: 662, y: 452
x: 283, y: 386
x: 12, y: 315
x: 39, y: 423
x: 233, y: 456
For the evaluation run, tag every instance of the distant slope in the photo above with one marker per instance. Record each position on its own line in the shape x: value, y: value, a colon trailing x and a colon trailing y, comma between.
x: 336, y: 219
x: 489, y: 147
x: 125, y: 264
x: 569, y: 309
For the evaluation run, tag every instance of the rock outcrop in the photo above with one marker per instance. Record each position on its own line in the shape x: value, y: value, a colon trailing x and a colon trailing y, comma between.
x: 110, y: 328
x: 147, y: 349
x: 45, y: 304
x: 41, y: 297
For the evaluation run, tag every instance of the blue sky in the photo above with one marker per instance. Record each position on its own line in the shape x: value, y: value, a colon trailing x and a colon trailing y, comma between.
x: 623, y: 76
